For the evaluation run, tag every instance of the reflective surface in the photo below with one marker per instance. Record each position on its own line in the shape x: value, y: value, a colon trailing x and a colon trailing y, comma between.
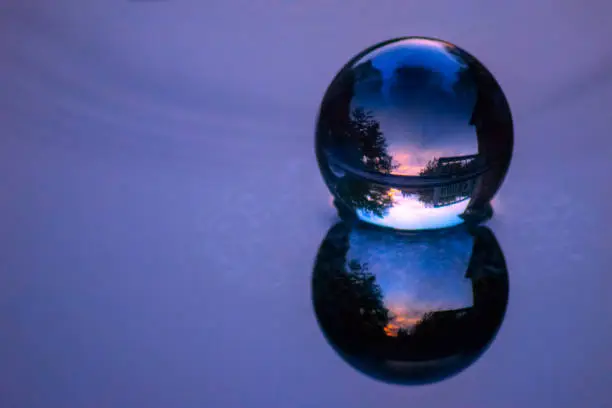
x: 161, y: 208
x: 413, y: 134
x: 409, y: 308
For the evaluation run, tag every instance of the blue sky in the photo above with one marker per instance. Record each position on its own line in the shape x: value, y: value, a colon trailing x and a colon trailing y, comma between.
x: 408, y: 213
x: 425, y: 125
x: 414, y: 52
x: 416, y: 275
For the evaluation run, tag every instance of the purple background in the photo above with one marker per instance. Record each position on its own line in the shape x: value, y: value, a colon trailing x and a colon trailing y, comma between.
x: 161, y: 207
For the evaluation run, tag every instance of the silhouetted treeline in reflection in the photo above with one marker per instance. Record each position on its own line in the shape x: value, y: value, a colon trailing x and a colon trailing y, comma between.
x: 444, y: 195
x: 438, y: 167
x: 450, y: 193
x: 354, y: 135
x: 372, y: 199
x: 370, y: 154
x: 350, y: 306
x: 350, y: 300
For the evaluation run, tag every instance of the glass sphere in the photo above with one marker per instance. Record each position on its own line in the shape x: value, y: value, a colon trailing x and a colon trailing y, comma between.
x: 414, y: 134
x: 409, y: 309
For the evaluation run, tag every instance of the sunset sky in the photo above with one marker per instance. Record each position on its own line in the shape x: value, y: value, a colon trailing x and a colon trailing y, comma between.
x: 424, y: 125
x: 409, y: 213
x: 416, y: 276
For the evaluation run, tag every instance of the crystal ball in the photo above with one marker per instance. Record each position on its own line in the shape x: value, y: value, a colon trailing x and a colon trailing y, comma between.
x: 414, y: 134
x: 408, y: 308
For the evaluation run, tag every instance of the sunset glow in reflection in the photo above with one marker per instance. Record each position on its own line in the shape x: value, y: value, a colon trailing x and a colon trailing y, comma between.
x: 411, y: 161
x: 416, y: 277
x: 411, y: 214
x: 411, y: 164
x: 402, y: 318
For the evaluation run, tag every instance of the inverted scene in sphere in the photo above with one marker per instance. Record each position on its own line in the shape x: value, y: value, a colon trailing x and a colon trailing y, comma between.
x: 409, y: 309
x: 414, y: 134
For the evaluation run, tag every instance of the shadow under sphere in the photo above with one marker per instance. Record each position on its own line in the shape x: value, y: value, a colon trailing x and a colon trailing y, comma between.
x: 409, y: 308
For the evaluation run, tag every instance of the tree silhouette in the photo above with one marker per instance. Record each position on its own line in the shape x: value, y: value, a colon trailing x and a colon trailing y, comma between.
x: 437, y: 168
x: 368, y: 295
x: 453, y: 192
x: 366, y: 149
x: 367, y: 143
x: 356, y: 139
x: 354, y: 136
x: 346, y: 296
x: 370, y: 198
x: 428, y: 196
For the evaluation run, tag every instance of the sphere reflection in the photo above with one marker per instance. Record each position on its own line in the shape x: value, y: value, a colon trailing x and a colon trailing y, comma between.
x: 409, y: 309
x: 414, y: 134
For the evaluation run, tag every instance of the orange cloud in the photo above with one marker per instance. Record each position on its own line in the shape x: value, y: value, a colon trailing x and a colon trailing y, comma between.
x: 402, y: 318
x: 410, y: 163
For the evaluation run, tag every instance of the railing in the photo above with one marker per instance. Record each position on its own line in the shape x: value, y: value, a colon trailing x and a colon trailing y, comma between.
x: 398, y: 181
x: 457, y: 159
